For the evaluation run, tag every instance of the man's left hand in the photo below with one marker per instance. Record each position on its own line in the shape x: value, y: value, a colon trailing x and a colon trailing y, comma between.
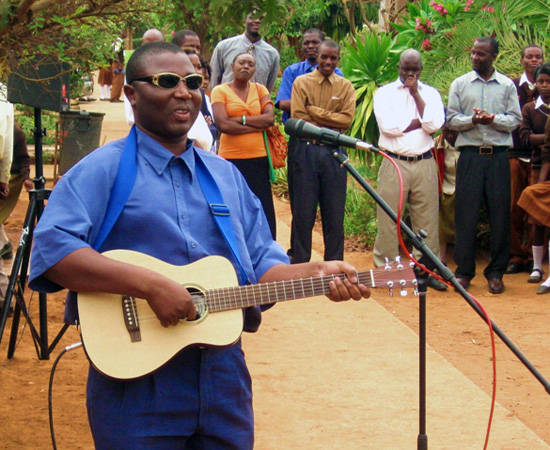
x: 347, y: 288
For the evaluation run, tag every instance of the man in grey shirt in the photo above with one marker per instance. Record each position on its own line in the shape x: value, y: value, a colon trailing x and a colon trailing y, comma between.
x: 484, y: 109
x: 267, y: 57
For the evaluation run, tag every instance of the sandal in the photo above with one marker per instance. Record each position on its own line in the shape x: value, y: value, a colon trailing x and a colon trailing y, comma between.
x: 536, y: 276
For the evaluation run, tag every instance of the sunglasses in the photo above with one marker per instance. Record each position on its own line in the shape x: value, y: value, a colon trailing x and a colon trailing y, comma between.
x: 171, y: 80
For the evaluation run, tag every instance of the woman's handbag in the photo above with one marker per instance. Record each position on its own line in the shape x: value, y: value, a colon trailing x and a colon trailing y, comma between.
x: 277, y: 147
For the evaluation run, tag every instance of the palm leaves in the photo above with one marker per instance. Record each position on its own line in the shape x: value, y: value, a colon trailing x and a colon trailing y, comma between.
x: 369, y: 64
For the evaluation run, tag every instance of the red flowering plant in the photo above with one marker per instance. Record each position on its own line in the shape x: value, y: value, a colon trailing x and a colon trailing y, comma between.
x: 430, y: 19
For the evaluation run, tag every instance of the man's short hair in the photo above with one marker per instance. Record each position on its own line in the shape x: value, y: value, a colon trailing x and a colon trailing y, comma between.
x: 524, y: 49
x: 410, y: 53
x: 491, y: 40
x: 330, y: 43
x: 140, y: 56
x: 180, y: 36
x: 316, y: 31
x: 152, y: 35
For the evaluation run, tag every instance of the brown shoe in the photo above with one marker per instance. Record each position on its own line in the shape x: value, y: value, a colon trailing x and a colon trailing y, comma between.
x: 496, y: 286
x: 464, y: 282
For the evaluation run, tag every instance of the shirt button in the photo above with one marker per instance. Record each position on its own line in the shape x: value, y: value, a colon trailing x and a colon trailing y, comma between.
x: 193, y: 245
x: 177, y: 184
x: 183, y: 216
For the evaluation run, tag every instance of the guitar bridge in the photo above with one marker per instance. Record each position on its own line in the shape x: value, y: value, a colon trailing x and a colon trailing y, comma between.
x: 131, y: 319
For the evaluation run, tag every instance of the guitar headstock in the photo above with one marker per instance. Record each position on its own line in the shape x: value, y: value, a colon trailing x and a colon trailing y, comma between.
x: 394, y: 275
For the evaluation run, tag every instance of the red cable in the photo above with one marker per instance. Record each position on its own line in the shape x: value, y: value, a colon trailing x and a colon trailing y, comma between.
x: 488, y: 319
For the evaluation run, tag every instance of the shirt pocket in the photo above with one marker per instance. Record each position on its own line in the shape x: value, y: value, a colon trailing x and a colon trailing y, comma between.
x: 335, y: 104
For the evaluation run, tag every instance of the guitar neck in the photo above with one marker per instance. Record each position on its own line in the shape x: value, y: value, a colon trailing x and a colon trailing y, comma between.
x: 278, y: 291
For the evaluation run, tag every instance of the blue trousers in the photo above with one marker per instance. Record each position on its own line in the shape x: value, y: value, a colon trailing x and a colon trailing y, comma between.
x: 201, y: 399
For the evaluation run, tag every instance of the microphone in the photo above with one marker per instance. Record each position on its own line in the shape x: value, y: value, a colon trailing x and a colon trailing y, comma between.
x: 304, y: 130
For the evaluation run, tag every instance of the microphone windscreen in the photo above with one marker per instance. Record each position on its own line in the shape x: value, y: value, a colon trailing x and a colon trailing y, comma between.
x: 302, y: 130
x: 291, y: 126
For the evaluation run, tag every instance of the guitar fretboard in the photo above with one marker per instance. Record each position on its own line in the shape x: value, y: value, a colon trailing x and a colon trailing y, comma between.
x: 273, y: 292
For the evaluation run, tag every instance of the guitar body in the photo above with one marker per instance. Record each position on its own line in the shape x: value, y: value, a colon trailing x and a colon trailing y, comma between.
x: 105, y: 334
x: 124, y: 339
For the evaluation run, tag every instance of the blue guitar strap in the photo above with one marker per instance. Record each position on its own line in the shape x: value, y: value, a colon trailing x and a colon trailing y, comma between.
x: 220, y: 211
x: 124, y: 183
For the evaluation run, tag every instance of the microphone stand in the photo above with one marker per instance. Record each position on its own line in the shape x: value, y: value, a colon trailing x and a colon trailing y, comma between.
x: 422, y: 276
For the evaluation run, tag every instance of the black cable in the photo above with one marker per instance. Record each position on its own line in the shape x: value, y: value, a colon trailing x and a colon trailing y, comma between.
x: 50, y: 389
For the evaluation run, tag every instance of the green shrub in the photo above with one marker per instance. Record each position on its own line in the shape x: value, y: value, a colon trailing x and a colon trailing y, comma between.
x: 360, y: 218
x: 25, y: 118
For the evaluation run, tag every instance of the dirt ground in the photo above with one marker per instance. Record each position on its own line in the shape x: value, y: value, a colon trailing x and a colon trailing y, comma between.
x: 454, y: 330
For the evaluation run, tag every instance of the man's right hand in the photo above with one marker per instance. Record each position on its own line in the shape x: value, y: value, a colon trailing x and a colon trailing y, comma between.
x: 482, y: 117
x: 411, y: 83
x: 171, y: 302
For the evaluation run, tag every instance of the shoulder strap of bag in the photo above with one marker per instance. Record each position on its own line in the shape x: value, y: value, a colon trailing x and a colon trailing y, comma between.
x: 272, y: 178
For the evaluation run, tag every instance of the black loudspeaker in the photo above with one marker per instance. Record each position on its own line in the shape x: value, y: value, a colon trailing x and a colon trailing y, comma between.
x: 40, y: 82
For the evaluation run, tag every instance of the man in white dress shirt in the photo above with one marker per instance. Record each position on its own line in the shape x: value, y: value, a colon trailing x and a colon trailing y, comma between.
x: 408, y: 112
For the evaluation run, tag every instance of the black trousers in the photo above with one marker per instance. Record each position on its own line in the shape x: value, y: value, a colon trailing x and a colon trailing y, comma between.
x: 315, y: 178
x: 482, y: 178
x: 256, y: 173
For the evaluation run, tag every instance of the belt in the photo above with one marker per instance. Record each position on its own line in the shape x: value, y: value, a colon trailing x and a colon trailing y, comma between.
x: 484, y: 149
x: 426, y: 155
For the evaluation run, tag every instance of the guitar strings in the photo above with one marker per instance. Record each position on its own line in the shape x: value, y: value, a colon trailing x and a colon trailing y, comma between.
x: 237, y: 297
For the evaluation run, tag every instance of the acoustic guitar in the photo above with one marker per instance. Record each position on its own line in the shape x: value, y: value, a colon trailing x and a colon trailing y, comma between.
x: 125, y: 340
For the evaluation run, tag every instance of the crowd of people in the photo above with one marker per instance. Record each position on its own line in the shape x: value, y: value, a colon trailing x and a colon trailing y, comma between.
x: 199, y: 133
x: 199, y: 204
x: 480, y: 149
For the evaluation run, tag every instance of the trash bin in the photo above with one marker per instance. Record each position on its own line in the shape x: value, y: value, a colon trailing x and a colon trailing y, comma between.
x: 79, y: 134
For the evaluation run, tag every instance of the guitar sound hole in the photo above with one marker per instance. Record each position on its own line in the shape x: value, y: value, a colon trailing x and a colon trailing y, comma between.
x: 200, y: 304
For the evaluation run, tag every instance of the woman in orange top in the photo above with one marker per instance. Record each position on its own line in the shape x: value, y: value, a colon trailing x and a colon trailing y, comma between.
x: 242, y: 111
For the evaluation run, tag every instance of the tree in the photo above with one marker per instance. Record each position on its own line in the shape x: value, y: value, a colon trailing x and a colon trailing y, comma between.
x: 79, y: 32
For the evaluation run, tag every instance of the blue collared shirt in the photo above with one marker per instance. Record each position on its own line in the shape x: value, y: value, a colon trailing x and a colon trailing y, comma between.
x: 166, y: 215
x: 289, y: 75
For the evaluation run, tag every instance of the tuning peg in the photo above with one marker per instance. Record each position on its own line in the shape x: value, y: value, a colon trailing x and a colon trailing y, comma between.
x: 403, y: 291
x: 387, y: 264
x: 389, y: 284
x: 398, y: 261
